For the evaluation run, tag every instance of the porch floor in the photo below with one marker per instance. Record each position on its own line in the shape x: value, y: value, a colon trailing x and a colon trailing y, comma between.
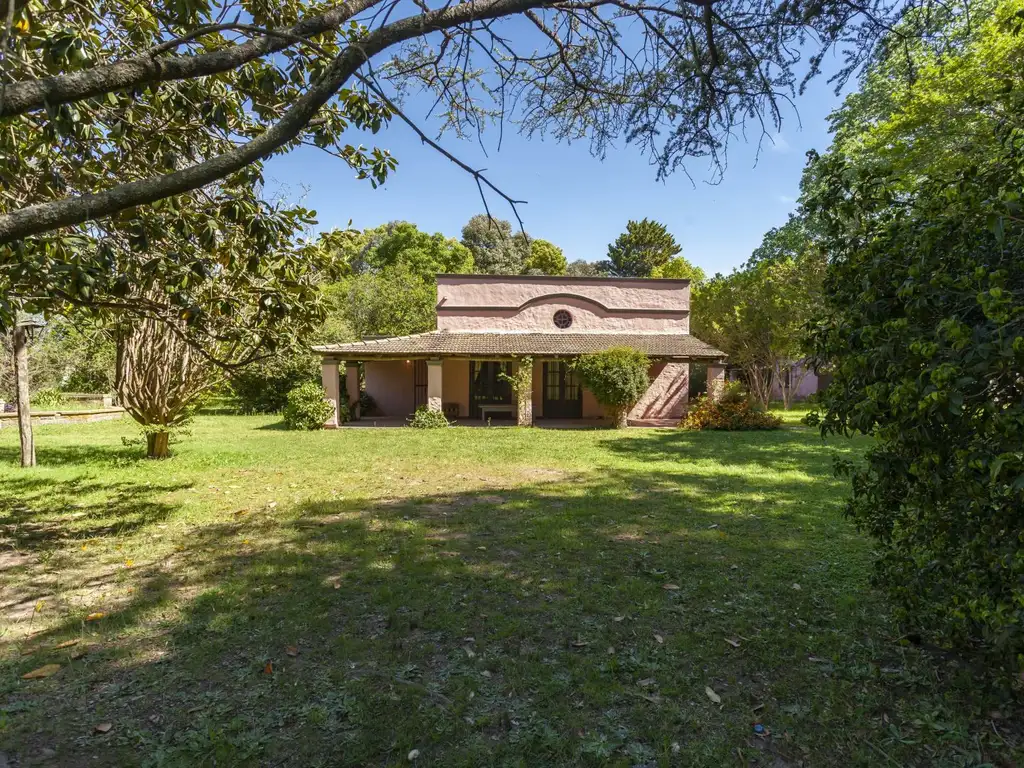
x: 371, y: 422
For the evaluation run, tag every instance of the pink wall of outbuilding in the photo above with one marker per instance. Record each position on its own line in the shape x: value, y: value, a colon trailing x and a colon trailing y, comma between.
x: 805, y: 389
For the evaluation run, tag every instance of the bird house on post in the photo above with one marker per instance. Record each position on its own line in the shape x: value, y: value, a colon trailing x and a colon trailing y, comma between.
x: 26, y: 328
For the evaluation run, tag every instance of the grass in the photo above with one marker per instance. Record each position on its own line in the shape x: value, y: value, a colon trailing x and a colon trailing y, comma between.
x: 486, y: 597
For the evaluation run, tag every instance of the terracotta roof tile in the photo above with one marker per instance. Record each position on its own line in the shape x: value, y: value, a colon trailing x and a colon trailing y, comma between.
x: 464, y: 343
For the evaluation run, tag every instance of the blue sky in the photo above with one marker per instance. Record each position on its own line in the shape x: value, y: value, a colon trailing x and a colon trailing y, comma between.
x: 576, y: 201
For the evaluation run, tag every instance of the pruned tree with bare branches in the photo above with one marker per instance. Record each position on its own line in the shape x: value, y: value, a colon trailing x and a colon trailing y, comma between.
x: 162, y: 378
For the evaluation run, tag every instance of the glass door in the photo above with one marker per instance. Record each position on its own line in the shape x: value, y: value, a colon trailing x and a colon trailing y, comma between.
x: 563, y: 393
x: 486, y: 387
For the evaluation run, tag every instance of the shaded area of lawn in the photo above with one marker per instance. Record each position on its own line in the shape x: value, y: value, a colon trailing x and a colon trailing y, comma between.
x: 505, y: 597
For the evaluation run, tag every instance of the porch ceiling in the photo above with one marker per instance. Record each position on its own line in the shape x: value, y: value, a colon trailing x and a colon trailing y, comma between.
x: 469, y: 344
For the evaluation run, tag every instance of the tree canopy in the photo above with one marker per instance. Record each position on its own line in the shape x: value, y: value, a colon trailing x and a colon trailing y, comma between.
x: 545, y: 258
x: 759, y: 315
x: 644, y: 247
x: 495, y: 250
x: 401, y: 242
x: 919, y: 209
x: 116, y: 109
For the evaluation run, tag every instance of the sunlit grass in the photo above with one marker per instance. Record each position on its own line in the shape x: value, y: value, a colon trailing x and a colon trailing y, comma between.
x: 487, y: 597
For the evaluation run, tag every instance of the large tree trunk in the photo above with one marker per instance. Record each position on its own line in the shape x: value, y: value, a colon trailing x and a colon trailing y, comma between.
x: 158, y: 445
x: 28, y: 448
x: 619, y: 417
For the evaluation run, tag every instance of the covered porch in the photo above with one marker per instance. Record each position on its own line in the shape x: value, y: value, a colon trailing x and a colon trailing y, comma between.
x: 384, y: 381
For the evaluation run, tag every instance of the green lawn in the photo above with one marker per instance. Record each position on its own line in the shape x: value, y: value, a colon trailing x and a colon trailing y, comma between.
x: 486, y: 597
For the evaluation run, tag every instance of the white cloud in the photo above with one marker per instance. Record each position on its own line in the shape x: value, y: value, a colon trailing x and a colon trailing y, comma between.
x: 779, y: 143
x: 786, y: 199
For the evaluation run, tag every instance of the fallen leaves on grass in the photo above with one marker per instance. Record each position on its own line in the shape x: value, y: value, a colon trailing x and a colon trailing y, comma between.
x: 712, y: 695
x: 44, y: 671
x: 660, y: 640
x: 95, y: 616
x: 268, y: 669
x: 733, y: 643
x: 103, y: 728
x: 292, y: 650
x: 65, y: 644
x: 670, y: 587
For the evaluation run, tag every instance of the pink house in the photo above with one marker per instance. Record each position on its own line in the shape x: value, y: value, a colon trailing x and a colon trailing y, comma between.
x: 486, y: 324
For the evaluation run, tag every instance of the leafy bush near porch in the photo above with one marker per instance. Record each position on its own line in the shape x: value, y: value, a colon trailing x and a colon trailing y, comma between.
x: 307, y: 407
x: 617, y: 378
x: 734, y: 410
x: 424, y: 418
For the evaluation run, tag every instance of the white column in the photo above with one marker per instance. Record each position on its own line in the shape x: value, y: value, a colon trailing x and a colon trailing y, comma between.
x: 332, y: 383
x: 434, y: 385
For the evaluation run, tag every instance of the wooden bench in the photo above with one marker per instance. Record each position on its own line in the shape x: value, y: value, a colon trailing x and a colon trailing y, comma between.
x: 486, y: 410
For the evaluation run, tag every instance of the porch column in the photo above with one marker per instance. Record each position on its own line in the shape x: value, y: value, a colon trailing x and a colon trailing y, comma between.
x: 716, y: 381
x: 524, y: 405
x: 332, y: 384
x: 434, y: 385
x: 352, y: 389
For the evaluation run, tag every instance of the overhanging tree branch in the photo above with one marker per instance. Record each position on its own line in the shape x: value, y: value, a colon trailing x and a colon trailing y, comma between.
x: 148, y: 67
x: 46, y: 217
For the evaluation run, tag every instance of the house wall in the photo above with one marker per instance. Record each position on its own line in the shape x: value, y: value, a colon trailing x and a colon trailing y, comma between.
x: 390, y: 384
x: 807, y: 387
x: 455, y: 384
x: 494, y: 302
x: 591, y: 408
x: 667, y: 397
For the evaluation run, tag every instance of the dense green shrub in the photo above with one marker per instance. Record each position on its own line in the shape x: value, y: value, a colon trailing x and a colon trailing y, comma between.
x: 617, y: 378
x: 924, y: 334
x: 48, y: 399
x: 734, y: 410
x: 263, y: 387
x: 424, y: 418
x: 307, y: 407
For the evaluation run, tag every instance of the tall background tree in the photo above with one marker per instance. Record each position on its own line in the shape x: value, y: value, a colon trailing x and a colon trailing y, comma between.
x: 545, y: 258
x: 645, y: 246
x: 760, y: 314
x: 918, y: 206
x: 495, y: 250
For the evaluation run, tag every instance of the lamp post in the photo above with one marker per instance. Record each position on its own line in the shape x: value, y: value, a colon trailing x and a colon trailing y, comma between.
x: 25, y: 328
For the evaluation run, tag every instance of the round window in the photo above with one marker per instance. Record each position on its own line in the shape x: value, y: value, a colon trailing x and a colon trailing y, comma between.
x: 562, y: 319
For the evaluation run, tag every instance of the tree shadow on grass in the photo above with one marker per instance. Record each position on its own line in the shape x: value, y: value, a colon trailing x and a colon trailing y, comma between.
x: 569, y: 621
x: 40, y: 513
x: 789, y: 448
x: 77, y: 455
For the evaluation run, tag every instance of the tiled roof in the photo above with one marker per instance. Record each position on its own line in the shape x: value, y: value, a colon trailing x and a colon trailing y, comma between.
x: 464, y: 343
